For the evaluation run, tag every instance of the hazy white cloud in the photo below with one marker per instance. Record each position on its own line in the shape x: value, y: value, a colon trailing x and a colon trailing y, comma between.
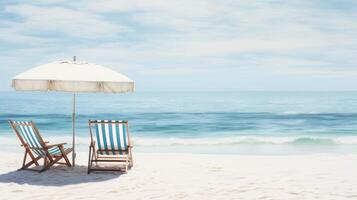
x: 235, y: 38
x: 39, y: 20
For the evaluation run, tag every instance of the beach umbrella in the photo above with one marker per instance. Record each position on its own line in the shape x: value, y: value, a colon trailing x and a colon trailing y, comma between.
x: 74, y: 77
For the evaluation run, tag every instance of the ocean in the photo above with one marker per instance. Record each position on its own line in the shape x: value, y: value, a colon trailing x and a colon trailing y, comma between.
x: 197, y: 122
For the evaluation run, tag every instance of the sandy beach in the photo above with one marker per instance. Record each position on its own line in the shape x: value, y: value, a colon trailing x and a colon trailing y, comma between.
x: 190, y: 176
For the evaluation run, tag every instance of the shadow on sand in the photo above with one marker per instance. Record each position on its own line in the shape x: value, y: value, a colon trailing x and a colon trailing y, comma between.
x: 57, y: 176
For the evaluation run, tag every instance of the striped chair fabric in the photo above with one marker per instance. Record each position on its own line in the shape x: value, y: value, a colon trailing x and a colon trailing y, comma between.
x: 32, y: 139
x: 111, y: 137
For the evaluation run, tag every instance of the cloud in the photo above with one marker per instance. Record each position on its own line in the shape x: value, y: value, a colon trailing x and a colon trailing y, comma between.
x: 313, y: 39
x: 46, y: 21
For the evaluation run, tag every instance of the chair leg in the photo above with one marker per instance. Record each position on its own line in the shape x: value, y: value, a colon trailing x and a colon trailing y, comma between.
x: 94, y: 157
x: 89, y: 160
x: 31, y: 163
x: 49, y: 161
x: 65, y: 156
x: 24, y: 161
x: 54, y: 161
x: 127, y: 164
x: 33, y: 158
x: 131, y: 162
x: 45, y: 164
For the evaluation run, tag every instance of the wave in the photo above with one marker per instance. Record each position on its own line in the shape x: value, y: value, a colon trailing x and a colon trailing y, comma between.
x: 245, y: 140
x: 239, y: 140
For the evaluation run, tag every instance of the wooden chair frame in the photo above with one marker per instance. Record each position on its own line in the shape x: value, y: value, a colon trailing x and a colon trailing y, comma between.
x: 48, y: 159
x: 125, y: 158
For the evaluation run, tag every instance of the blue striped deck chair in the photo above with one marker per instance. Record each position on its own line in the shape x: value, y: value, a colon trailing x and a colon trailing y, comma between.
x: 110, y: 142
x: 37, y: 148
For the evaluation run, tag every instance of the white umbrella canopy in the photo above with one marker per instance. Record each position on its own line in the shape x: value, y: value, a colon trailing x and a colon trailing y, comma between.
x: 72, y: 76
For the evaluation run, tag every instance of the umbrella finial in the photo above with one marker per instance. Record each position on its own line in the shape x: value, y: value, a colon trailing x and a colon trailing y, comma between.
x: 74, y: 58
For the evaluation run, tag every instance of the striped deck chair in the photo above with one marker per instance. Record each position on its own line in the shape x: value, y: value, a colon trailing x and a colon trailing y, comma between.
x: 110, y: 142
x: 37, y: 148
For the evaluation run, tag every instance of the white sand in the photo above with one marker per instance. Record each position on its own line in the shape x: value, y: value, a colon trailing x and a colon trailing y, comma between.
x: 186, y: 176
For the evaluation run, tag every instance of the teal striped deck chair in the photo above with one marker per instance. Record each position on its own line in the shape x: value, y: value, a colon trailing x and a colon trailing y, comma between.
x: 110, y: 142
x: 36, y: 148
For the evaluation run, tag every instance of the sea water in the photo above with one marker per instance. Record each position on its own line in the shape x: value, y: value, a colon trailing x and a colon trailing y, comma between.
x: 196, y: 122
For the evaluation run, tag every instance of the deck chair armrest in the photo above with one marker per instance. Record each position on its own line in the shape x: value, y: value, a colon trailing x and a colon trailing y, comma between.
x: 53, y: 145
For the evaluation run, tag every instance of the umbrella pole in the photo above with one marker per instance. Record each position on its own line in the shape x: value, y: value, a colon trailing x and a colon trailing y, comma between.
x: 74, y: 130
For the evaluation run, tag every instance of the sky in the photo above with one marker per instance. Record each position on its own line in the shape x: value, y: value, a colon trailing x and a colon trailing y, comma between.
x: 189, y: 45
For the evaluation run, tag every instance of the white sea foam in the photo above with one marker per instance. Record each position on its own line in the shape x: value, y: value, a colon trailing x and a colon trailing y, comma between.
x: 231, y: 140
x: 251, y: 140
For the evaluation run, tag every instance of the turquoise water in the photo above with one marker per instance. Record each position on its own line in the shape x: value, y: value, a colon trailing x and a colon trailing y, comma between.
x: 199, y: 122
